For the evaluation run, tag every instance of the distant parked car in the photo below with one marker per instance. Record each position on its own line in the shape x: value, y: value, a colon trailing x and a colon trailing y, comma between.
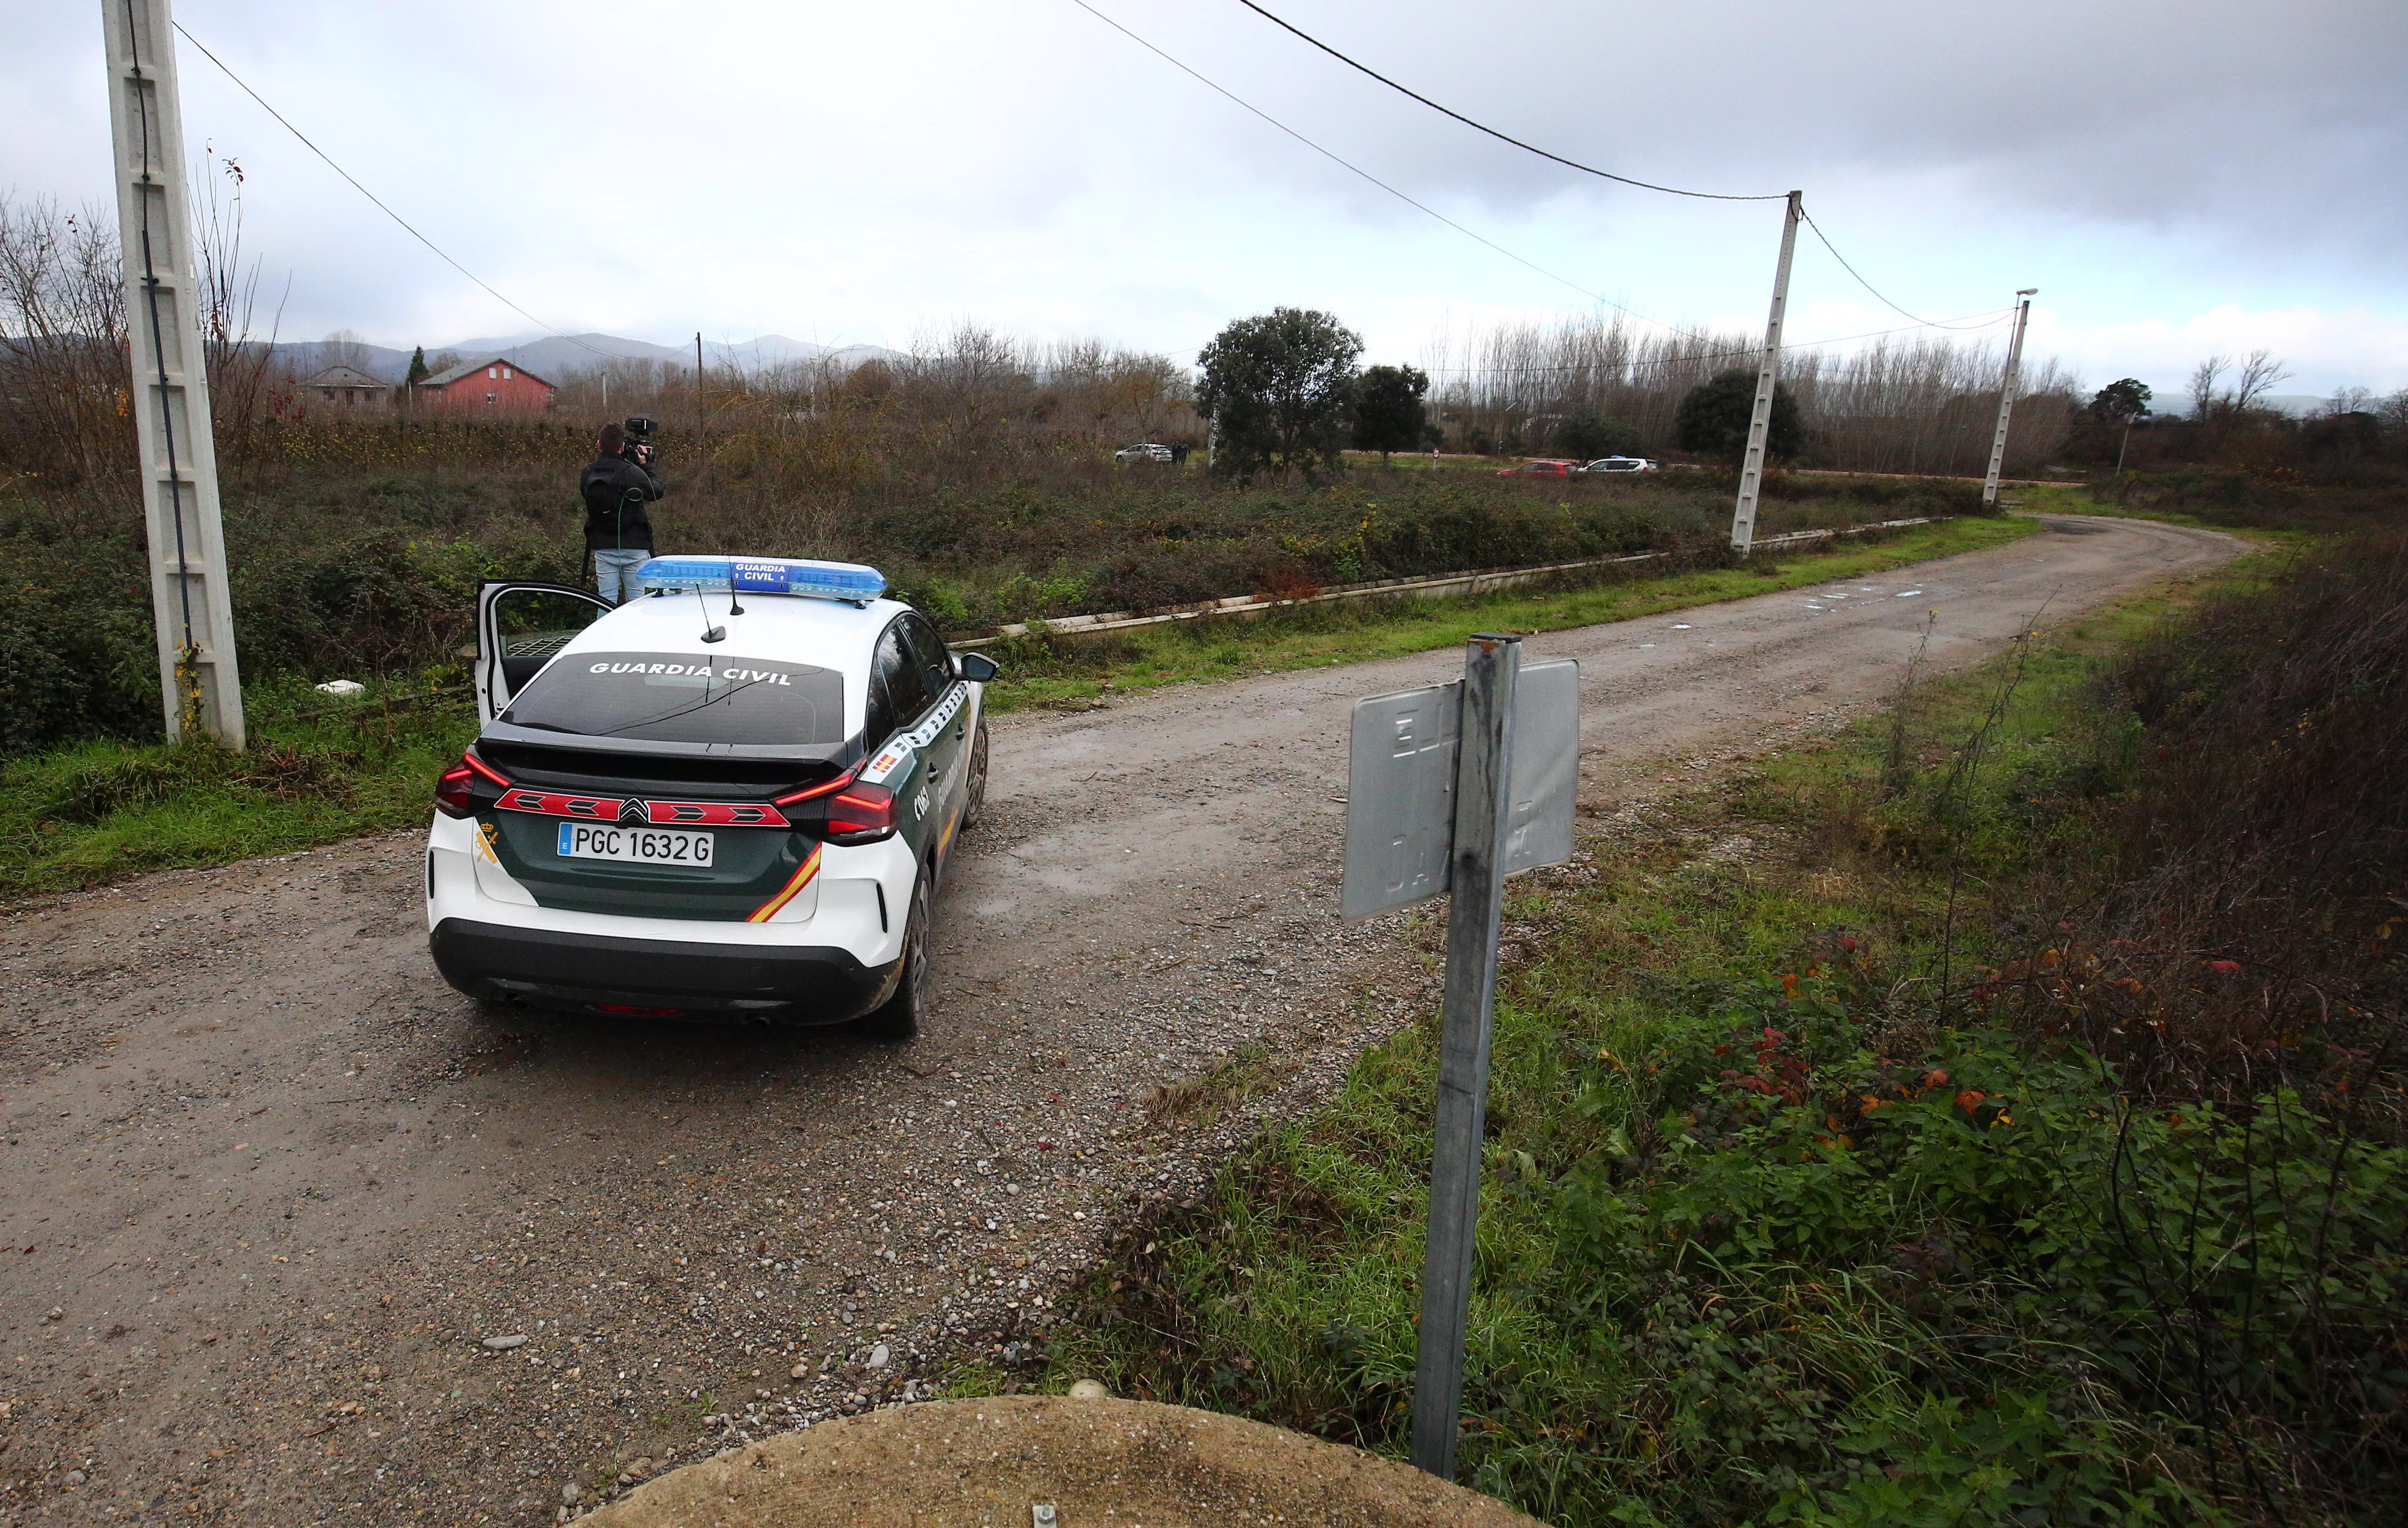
x: 1622, y: 463
x: 1541, y: 470
x: 1147, y: 452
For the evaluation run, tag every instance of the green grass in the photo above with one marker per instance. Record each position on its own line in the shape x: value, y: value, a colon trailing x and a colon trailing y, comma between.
x: 318, y: 770
x: 2084, y: 499
x: 321, y: 770
x: 1071, y: 671
x: 1770, y: 1234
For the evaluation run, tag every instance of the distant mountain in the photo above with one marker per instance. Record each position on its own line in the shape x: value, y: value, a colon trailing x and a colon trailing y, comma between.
x: 556, y: 359
x: 308, y: 357
x: 549, y: 355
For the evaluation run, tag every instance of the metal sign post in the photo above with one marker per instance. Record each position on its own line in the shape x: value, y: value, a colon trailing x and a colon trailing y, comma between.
x: 199, y: 684
x: 1451, y: 788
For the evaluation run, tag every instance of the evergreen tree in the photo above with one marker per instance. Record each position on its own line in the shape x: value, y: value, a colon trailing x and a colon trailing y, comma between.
x: 1712, y: 420
x: 1280, y: 390
x: 1389, y: 414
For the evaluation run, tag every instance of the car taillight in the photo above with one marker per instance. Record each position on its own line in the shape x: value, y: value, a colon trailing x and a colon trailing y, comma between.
x: 813, y: 792
x: 844, y: 810
x: 860, y: 814
x: 455, y: 794
x: 451, y: 792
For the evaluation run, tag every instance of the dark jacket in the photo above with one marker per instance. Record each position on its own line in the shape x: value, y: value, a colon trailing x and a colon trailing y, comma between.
x: 616, y: 490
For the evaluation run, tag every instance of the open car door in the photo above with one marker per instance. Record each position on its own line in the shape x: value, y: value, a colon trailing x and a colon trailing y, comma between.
x: 519, y: 628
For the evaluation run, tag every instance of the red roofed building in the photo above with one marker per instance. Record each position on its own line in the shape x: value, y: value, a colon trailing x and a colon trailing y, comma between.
x: 492, y: 383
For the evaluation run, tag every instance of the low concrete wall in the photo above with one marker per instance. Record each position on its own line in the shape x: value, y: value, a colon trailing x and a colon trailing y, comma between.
x: 1437, y: 586
x: 990, y: 1464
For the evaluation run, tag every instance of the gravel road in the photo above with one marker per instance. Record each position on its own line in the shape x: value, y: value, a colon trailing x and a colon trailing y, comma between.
x: 294, y: 1233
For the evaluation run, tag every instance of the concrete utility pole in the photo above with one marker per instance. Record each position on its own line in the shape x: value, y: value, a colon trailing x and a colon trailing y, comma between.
x: 199, y: 685
x: 1751, y: 467
x: 2007, y: 400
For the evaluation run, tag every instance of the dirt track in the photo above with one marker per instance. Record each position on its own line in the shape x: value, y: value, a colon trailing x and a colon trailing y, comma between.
x: 270, y: 1184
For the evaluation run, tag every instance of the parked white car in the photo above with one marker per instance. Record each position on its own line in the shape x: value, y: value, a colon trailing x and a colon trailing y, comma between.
x: 1622, y: 463
x: 1146, y: 452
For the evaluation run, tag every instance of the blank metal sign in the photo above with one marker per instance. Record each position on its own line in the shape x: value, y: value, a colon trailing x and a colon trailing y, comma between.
x: 1400, y: 786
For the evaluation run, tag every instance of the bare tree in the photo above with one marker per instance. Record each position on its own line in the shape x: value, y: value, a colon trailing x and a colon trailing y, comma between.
x: 1913, y: 406
x: 64, y: 406
x: 238, y: 362
x: 2259, y: 373
x: 344, y: 348
x: 2202, y: 387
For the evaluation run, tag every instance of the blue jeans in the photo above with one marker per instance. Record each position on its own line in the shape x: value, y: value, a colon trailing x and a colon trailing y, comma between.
x: 615, y: 573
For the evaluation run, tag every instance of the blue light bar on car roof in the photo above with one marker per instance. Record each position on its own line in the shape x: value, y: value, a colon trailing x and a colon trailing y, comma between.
x: 849, y: 581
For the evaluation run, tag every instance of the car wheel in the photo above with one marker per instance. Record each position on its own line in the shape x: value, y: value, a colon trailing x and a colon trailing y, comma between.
x: 898, y: 1017
x: 974, y: 803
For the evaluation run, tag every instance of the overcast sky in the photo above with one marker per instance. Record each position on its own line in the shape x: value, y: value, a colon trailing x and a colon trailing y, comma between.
x: 2176, y: 178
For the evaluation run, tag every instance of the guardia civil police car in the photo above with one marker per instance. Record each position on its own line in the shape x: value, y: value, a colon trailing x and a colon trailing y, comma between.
x: 732, y: 798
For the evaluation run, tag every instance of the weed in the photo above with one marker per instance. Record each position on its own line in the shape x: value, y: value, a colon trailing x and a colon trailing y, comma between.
x: 1198, y: 1101
x: 1827, y: 1183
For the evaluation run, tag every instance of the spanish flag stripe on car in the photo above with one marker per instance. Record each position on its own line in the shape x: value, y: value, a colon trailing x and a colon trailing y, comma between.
x: 801, y: 878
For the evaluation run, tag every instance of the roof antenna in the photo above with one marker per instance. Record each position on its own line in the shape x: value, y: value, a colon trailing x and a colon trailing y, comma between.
x: 710, y: 634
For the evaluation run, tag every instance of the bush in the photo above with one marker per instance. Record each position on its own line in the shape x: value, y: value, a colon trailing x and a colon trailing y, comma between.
x: 70, y: 671
x: 2018, y: 1204
x: 377, y: 603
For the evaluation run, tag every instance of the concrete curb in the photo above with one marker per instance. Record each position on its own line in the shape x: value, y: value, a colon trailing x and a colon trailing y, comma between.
x: 991, y: 1463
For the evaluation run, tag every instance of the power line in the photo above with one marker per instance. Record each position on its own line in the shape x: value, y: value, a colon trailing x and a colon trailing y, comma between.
x: 1333, y: 157
x: 1484, y: 127
x: 1357, y: 169
x: 1929, y: 323
x: 1573, y: 164
x: 379, y: 205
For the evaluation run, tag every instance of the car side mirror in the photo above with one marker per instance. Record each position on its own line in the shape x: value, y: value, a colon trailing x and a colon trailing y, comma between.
x: 977, y: 668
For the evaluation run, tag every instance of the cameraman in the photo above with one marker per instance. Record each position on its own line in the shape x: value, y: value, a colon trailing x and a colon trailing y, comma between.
x: 617, y: 484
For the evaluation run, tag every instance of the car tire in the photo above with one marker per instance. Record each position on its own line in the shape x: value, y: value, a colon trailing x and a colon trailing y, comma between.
x: 898, y: 1017
x: 974, y: 799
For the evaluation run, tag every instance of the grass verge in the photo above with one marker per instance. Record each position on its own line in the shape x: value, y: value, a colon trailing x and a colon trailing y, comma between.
x: 1843, y: 1171
x: 321, y: 771
x: 318, y: 770
x: 1040, y: 672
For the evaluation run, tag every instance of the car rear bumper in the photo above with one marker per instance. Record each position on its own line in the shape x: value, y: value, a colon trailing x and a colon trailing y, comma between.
x: 793, y: 984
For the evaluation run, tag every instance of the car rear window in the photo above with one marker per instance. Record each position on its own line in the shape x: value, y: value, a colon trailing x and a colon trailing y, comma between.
x: 682, y: 698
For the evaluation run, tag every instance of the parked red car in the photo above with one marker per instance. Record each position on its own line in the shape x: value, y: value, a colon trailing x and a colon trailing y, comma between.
x: 1541, y: 468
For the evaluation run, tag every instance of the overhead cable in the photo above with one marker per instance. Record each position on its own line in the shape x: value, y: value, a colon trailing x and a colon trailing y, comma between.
x: 1928, y: 324
x: 1333, y: 157
x: 1573, y: 164
x: 1506, y: 137
x: 382, y: 207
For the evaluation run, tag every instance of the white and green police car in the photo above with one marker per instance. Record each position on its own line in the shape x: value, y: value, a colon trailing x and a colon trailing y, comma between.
x: 731, y: 798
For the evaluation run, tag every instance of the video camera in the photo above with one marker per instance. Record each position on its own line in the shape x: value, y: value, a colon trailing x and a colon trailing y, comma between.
x: 638, y: 431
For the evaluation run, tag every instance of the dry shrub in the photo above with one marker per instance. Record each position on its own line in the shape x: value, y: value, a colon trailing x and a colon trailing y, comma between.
x: 2263, y: 853
x: 2199, y: 858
